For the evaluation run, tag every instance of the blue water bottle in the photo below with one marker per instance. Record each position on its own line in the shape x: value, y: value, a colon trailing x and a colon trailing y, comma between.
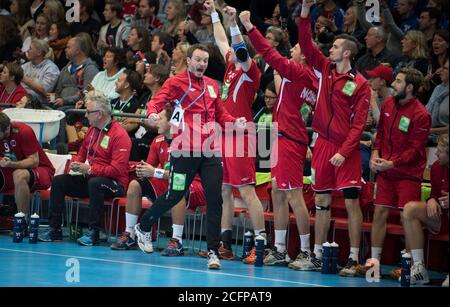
x: 248, y: 244
x: 405, y: 278
x: 326, y: 255
x: 259, y: 250
x: 34, y: 229
x: 19, y: 224
x: 334, y: 258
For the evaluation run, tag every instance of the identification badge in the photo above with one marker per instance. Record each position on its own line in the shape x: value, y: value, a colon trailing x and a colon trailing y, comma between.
x: 225, y: 88
x: 349, y: 88
x: 212, y: 92
x: 105, y: 142
x: 403, y: 125
x: 140, y: 132
x: 177, y: 116
x: 179, y: 182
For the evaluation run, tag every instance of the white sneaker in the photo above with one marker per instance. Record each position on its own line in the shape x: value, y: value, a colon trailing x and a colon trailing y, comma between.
x: 213, y: 261
x: 445, y: 283
x: 144, y: 239
x: 419, y: 274
x: 306, y: 262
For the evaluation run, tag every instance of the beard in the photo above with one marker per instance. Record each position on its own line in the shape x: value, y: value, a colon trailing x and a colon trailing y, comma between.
x: 400, y: 96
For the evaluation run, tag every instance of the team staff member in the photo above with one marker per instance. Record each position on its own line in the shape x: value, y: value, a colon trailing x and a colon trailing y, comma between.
x: 399, y: 153
x: 152, y: 181
x: 197, y: 108
x: 339, y: 119
x: 298, y: 86
x: 99, y: 171
x: 241, y: 82
x: 24, y: 166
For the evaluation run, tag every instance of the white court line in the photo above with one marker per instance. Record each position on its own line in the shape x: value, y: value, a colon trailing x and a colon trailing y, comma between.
x: 161, y: 266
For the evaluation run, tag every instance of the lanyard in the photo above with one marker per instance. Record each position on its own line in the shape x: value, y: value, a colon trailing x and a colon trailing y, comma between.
x: 188, y: 90
x: 96, y: 147
x: 10, y: 95
x: 125, y: 104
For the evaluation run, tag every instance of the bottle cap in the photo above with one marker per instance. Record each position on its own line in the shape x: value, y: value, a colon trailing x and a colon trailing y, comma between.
x: 35, y: 216
x: 19, y: 214
x: 326, y: 244
x: 334, y: 244
x: 248, y: 233
x: 406, y: 255
x: 259, y: 237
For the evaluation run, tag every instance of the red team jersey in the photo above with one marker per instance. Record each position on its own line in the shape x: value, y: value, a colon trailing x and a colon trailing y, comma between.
x: 21, y: 144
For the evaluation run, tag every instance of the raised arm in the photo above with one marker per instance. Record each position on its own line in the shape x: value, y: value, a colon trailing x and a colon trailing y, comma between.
x: 237, y: 42
x: 219, y: 32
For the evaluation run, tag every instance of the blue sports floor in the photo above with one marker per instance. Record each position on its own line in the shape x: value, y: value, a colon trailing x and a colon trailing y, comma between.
x: 47, y: 264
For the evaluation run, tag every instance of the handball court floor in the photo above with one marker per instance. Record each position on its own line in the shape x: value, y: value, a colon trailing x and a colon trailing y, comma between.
x: 47, y: 264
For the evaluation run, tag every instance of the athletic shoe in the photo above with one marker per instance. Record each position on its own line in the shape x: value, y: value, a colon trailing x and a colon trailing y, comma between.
x: 419, y: 275
x: 225, y: 253
x: 306, y: 261
x: 90, y: 238
x: 370, y: 263
x: 250, y: 259
x: 396, y: 274
x: 274, y: 257
x: 51, y: 235
x: 350, y: 269
x: 213, y: 261
x: 445, y: 283
x: 124, y: 242
x: 144, y: 239
x: 173, y: 248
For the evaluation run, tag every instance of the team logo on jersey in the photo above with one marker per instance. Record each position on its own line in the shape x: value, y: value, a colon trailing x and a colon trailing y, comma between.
x: 13, y: 143
x: 349, y: 88
x: 403, y: 125
x: 225, y: 88
x: 212, y: 92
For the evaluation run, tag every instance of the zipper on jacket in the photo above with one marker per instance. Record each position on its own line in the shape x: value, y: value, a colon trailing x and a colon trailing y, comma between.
x: 390, y: 132
x: 331, y: 106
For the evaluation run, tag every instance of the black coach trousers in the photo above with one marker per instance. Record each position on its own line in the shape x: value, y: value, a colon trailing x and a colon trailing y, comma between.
x: 96, y: 188
x: 183, y: 169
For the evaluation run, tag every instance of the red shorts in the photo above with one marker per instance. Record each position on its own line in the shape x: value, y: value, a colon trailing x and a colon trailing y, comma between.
x: 327, y: 177
x: 160, y: 186
x: 43, y: 178
x: 286, y: 162
x: 396, y: 193
x: 239, y: 158
x: 196, y: 195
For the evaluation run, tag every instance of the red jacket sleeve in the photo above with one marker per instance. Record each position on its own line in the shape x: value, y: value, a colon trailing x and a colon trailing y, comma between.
x: 121, y: 147
x: 315, y: 58
x: 275, y: 60
x: 158, y: 102
x: 221, y: 114
x: 152, y: 157
x: 380, y: 131
x: 359, y: 121
x: 417, y: 141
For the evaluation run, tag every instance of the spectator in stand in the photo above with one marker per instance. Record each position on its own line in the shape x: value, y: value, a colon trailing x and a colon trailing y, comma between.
x: 36, y: 8
x: 438, y: 56
x: 407, y: 18
x: 40, y: 73
x: 41, y: 31
x: 442, y: 6
x: 351, y: 24
x: 415, y: 52
x: 11, y: 75
x: 147, y: 16
x: 380, y: 79
x: 58, y: 38
x: 181, y: 35
x: 330, y: 10
x: 138, y: 40
x: 20, y: 10
x: 141, y: 66
x: 175, y: 12
x: 162, y: 45
x: 179, y: 62
x: 115, y: 32
x: 87, y: 23
x: 54, y: 10
x: 10, y: 39
x: 429, y: 23
x: 429, y: 213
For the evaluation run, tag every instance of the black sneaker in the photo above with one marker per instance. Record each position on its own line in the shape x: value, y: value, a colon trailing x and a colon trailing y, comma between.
x: 51, y: 235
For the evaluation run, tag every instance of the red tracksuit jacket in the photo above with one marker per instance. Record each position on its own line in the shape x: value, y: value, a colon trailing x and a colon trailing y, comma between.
x: 107, y: 152
x: 200, y: 117
x: 299, y: 86
x: 402, y: 135
x: 343, y: 99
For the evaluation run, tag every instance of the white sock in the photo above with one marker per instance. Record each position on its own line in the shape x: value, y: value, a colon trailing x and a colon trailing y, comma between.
x: 417, y: 255
x: 376, y: 252
x: 280, y: 240
x: 178, y: 232
x: 131, y: 221
x: 304, y: 243
x: 261, y: 232
x: 354, y: 253
x: 318, y: 251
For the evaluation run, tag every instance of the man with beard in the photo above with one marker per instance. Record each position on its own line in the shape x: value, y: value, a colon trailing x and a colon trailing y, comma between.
x: 399, y: 154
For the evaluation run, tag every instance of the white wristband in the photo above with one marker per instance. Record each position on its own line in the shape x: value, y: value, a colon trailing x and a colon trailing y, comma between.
x: 158, y: 173
x: 234, y: 31
x: 215, y: 17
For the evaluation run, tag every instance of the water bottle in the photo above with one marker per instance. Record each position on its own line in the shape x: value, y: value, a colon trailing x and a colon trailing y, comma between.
x: 34, y: 229
x: 326, y: 255
x: 259, y: 250
x: 334, y: 258
x: 248, y: 243
x: 19, y: 224
x: 405, y: 278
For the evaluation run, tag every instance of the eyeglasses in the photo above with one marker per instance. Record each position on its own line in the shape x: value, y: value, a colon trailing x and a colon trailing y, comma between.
x: 270, y: 97
x: 90, y: 112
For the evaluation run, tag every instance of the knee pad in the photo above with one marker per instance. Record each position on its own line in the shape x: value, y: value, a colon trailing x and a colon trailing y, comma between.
x: 351, y: 193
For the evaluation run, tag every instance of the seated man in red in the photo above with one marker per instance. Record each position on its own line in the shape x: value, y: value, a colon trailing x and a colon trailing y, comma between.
x: 428, y: 214
x: 24, y: 166
x: 153, y: 176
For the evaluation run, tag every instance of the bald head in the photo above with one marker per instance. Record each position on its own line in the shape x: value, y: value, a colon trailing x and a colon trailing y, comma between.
x: 376, y: 36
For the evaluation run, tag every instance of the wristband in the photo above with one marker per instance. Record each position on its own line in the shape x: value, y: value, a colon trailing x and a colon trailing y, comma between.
x: 234, y: 31
x: 215, y: 17
x: 158, y: 173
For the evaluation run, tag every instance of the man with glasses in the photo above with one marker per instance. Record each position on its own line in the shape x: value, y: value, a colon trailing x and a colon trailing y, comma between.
x: 99, y: 171
x: 298, y: 86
